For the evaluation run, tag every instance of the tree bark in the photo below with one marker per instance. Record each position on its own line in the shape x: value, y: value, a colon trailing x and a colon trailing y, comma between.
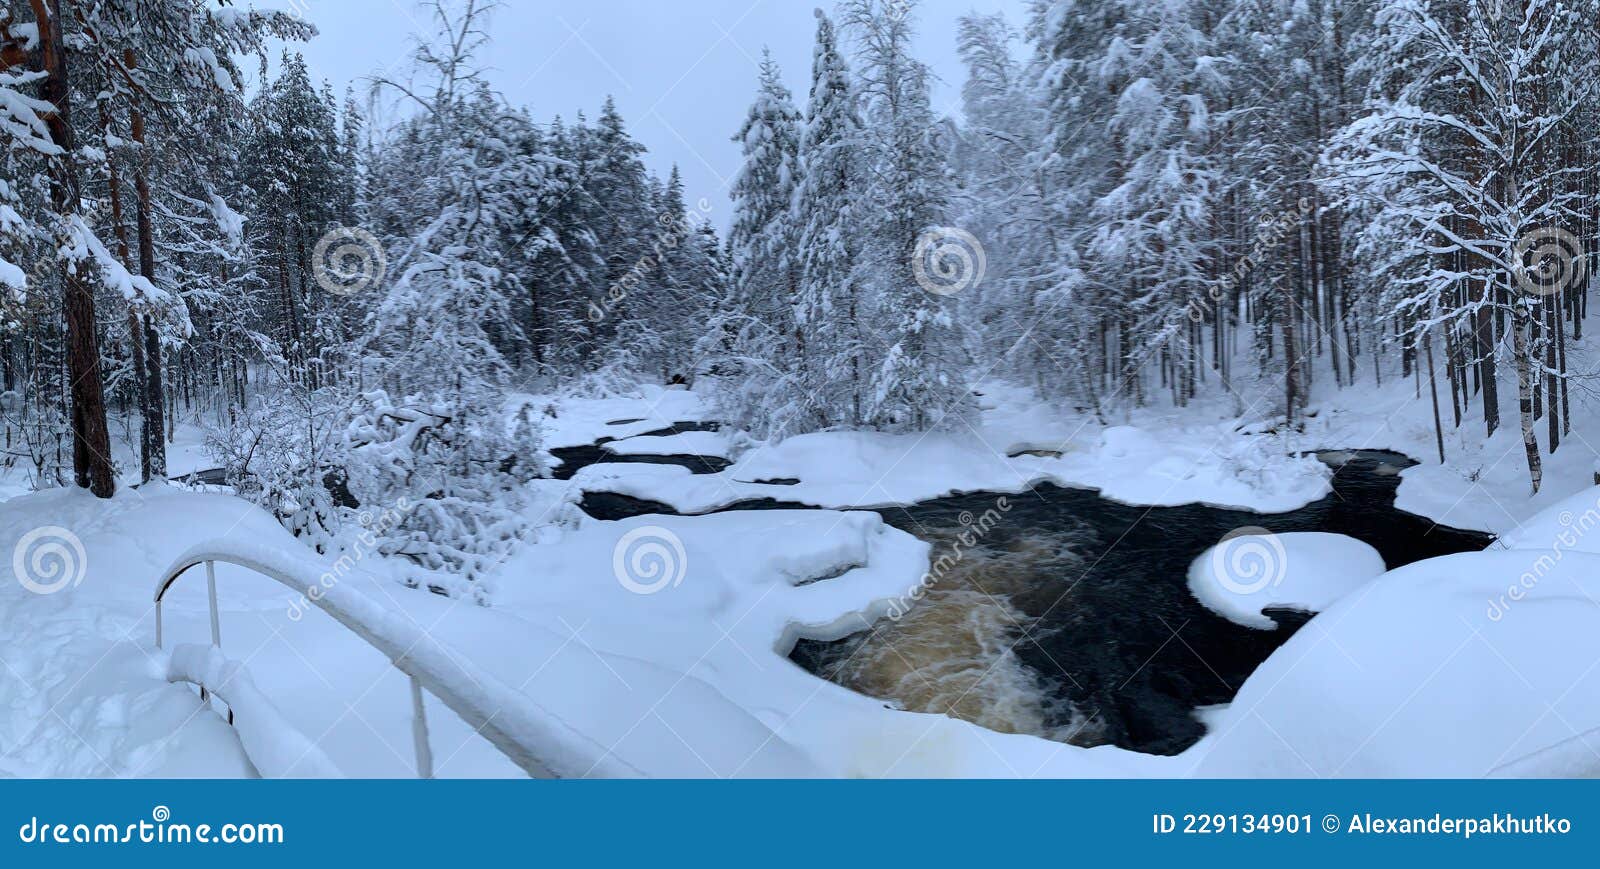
x: 155, y: 423
x: 1294, y: 397
x: 1483, y: 340
x: 1433, y: 387
x: 135, y: 332
x: 1530, y: 440
x: 91, y: 438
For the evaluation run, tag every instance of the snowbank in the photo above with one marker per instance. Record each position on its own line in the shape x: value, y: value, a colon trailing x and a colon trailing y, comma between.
x: 1569, y: 525
x: 689, y: 443
x: 1430, y: 670
x: 275, y: 748
x: 85, y: 694
x: 536, y: 739
x: 1249, y: 572
x: 844, y: 470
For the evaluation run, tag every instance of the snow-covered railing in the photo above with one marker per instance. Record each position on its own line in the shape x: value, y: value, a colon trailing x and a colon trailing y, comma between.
x: 534, y: 738
x: 274, y: 746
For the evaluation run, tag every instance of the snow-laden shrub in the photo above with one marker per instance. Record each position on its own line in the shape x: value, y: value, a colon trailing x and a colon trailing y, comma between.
x: 36, y: 432
x: 617, y: 377
x: 1268, y: 462
x: 281, y: 451
x: 463, y: 469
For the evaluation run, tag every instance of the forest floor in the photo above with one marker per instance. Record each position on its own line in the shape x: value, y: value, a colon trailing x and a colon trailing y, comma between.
x: 691, y: 679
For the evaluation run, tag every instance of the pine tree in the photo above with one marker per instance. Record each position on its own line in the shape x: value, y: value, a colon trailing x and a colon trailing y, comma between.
x: 918, y: 380
x: 765, y: 338
x: 761, y: 238
x: 831, y: 305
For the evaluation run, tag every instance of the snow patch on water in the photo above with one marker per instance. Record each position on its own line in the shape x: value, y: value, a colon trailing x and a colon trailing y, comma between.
x: 1310, y: 571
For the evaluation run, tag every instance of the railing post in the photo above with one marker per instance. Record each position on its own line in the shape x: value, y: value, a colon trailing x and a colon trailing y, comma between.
x: 211, y: 589
x: 419, y: 732
x: 216, y: 623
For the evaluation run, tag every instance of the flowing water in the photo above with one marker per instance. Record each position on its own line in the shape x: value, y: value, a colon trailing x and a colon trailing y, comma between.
x: 1059, y: 613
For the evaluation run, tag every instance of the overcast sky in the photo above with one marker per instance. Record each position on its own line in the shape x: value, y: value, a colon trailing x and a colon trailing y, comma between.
x: 682, y: 71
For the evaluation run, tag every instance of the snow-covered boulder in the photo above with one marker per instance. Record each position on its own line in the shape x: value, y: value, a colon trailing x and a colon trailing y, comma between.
x: 1252, y: 570
x: 1431, y: 670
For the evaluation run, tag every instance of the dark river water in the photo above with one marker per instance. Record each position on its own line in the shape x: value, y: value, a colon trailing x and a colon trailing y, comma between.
x: 1072, y: 618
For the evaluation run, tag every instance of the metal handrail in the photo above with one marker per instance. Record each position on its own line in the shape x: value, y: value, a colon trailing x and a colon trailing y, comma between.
x: 563, y: 751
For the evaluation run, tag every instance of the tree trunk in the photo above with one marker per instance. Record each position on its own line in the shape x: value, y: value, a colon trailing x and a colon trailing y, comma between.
x: 1552, y: 402
x: 155, y: 425
x: 1433, y: 387
x: 135, y: 332
x: 1294, y: 397
x: 91, y: 439
x: 1530, y: 441
x: 1483, y: 339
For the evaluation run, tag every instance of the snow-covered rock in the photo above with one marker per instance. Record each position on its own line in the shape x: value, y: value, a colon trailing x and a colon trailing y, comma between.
x: 1252, y: 570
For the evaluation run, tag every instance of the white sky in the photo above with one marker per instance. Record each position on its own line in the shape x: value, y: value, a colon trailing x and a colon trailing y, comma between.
x: 683, y: 71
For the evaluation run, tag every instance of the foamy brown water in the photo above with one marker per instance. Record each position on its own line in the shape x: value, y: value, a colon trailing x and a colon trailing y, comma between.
x: 954, y: 652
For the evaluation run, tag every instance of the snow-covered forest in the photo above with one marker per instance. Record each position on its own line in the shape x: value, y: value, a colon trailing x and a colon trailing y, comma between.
x: 1206, y: 238
x: 1132, y: 202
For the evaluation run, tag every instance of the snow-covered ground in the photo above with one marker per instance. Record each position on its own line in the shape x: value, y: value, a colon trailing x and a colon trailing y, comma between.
x: 684, y: 679
x: 1012, y: 448
x: 664, y: 639
x: 574, y: 422
x: 689, y: 443
x: 1422, y: 673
